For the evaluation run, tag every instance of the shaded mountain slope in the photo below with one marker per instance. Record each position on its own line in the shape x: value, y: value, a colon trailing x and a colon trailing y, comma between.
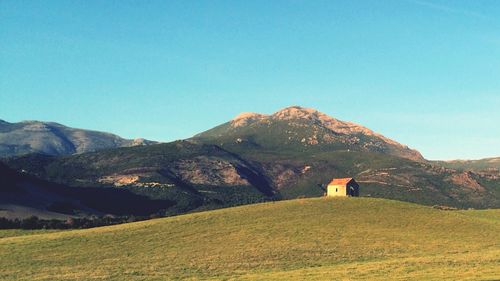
x: 22, y: 195
x: 55, y: 139
x: 192, y: 175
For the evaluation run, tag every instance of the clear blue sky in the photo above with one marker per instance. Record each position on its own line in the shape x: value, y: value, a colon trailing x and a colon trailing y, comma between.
x: 423, y: 72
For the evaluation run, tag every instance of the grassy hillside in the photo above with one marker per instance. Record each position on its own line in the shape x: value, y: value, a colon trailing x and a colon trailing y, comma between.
x: 314, y: 239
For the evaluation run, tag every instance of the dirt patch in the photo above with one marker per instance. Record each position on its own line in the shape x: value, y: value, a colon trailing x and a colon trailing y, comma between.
x: 119, y: 180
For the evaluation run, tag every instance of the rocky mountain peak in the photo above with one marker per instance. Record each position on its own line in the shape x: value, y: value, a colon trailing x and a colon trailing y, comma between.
x: 244, y: 118
x: 297, y: 112
x: 337, y: 126
x: 36, y: 127
x: 332, y: 130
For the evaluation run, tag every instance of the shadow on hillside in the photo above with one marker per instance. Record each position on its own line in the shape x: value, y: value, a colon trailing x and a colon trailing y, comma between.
x: 114, y: 201
x: 31, y: 191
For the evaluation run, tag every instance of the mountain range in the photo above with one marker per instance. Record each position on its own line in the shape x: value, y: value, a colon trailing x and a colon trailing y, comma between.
x: 255, y: 157
x: 55, y: 139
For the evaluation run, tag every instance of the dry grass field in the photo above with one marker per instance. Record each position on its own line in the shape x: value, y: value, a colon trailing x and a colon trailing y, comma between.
x: 313, y: 239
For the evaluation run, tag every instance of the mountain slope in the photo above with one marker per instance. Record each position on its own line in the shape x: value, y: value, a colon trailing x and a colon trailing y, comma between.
x: 302, y: 129
x: 207, y: 176
x: 307, y: 239
x: 192, y: 175
x: 55, y: 139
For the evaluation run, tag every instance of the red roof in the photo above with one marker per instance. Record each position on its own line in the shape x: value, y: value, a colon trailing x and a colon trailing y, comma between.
x: 342, y: 181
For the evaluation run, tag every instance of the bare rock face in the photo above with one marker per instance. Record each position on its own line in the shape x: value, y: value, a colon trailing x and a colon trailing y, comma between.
x: 245, y: 118
x: 335, y: 125
x: 204, y: 170
x: 285, y: 175
x: 119, y: 180
x: 466, y: 179
x: 141, y: 141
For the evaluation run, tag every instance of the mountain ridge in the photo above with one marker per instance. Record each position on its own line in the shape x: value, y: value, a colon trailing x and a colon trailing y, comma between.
x: 52, y: 138
x: 479, y: 165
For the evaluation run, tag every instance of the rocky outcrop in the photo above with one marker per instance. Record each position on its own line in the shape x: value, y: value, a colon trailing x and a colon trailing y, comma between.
x: 467, y: 180
x: 245, y: 118
x: 207, y: 171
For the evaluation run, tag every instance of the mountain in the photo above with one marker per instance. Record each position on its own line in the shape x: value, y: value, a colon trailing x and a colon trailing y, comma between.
x: 22, y: 195
x: 55, y: 139
x: 304, y: 239
x: 300, y: 148
x: 302, y: 129
x: 292, y: 153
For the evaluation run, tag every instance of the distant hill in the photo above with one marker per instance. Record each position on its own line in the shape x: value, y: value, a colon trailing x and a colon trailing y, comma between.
x: 292, y: 153
x: 487, y: 164
x: 22, y: 195
x: 55, y: 139
x: 304, y: 239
